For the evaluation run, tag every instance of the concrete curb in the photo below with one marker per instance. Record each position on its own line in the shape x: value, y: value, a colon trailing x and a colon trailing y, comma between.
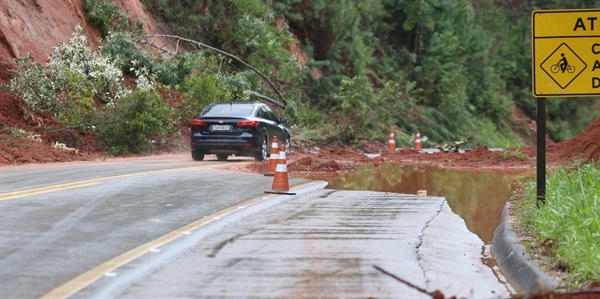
x: 515, y: 263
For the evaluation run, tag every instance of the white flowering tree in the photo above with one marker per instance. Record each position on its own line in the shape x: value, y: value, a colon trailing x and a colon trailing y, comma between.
x: 76, y: 76
x: 73, y: 77
x: 77, y: 58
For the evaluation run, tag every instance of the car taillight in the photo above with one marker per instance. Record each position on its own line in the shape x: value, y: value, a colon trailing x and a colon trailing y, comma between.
x: 247, y: 123
x: 198, y: 123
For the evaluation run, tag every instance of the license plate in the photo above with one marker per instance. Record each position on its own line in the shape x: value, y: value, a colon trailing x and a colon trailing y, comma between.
x: 221, y: 127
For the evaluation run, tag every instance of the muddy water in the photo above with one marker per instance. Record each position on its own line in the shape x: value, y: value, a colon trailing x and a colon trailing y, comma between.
x: 477, y: 197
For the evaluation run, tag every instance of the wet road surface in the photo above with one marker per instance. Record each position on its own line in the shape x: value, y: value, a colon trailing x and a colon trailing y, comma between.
x: 58, y: 221
x: 323, y: 244
x: 180, y: 229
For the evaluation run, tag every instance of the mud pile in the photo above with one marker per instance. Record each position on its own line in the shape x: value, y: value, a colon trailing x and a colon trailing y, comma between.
x: 585, y: 147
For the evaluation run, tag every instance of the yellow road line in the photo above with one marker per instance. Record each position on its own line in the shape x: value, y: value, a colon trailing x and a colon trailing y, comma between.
x: 78, y: 283
x: 84, y: 183
x: 47, y: 190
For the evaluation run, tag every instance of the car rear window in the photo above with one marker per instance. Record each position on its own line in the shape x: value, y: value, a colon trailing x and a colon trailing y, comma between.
x: 235, y: 110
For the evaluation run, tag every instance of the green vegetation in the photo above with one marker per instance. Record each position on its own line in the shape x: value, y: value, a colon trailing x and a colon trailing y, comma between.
x: 449, y: 68
x: 85, y: 91
x: 67, y: 85
x: 569, y: 223
x: 105, y: 16
x: 129, y: 126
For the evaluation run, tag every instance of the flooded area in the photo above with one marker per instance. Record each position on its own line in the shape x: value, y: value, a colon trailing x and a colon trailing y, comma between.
x: 477, y: 197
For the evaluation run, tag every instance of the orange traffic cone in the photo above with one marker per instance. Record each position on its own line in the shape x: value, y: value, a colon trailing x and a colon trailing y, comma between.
x: 418, y: 141
x: 274, y: 158
x: 281, y: 184
x: 392, y: 141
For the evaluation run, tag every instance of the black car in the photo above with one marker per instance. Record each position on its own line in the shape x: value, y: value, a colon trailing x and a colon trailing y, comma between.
x: 237, y: 128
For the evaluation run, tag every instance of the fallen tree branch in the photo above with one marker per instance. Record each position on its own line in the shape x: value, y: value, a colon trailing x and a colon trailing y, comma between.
x: 404, y: 282
x: 264, y: 97
x: 179, y: 38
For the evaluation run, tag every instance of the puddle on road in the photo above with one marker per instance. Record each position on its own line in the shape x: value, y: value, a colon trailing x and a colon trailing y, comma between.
x: 477, y: 197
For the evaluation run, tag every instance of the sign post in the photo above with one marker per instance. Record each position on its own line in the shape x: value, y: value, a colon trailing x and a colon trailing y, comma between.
x: 541, y: 151
x: 565, y: 63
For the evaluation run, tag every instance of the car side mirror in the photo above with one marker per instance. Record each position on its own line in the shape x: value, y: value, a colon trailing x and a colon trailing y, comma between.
x: 283, y: 120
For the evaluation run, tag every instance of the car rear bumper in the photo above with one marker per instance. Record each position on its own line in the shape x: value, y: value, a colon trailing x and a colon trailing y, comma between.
x: 240, y: 145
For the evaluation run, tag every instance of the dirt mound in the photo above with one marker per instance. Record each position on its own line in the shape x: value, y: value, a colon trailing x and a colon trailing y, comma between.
x: 37, y: 27
x: 19, y: 123
x: 27, y: 136
x: 341, y: 154
x: 585, y: 147
x: 317, y: 165
x: 478, y: 157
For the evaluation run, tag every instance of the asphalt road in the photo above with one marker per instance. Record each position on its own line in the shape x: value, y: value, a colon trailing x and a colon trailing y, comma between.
x: 58, y: 221
x: 177, y: 228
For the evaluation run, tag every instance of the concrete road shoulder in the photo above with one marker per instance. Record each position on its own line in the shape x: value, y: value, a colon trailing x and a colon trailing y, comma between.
x: 515, y: 263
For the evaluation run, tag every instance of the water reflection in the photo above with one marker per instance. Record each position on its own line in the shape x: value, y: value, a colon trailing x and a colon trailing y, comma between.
x: 477, y: 197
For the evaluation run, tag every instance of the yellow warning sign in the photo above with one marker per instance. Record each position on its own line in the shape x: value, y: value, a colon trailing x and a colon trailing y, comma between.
x: 563, y: 66
x: 566, y: 53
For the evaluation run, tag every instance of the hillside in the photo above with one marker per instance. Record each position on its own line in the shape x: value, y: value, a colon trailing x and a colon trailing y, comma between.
x: 37, y: 27
x: 327, y: 123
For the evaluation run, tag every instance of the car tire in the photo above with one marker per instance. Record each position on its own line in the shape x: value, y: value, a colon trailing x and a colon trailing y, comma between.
x: 262, y: 153
x: 222, y: 157
x: 197, y: 155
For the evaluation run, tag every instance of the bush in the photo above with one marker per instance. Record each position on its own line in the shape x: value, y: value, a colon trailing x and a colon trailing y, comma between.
x: 32, y: 83
x: 122, y: 49
x: 200, y: 90
x: 72, y: 68
x: 76, y: 56
x: 66, y: 87
x: 131, y: 125
x: 78, y: 102
x: 103, y: 15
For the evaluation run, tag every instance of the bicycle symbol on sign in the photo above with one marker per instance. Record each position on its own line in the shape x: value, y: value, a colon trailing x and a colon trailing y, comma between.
x: 562, y: 66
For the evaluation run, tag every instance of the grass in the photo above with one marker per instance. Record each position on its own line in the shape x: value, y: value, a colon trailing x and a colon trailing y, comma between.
x: 568, y: 224
x: 514, y: 153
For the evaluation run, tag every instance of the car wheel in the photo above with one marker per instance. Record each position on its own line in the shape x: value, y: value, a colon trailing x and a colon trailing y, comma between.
x: 262, y: 153
x: 197, y: 155
x: 222, y: 157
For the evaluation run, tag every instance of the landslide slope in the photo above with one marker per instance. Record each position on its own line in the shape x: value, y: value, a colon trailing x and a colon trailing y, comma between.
x: 37, y: 26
